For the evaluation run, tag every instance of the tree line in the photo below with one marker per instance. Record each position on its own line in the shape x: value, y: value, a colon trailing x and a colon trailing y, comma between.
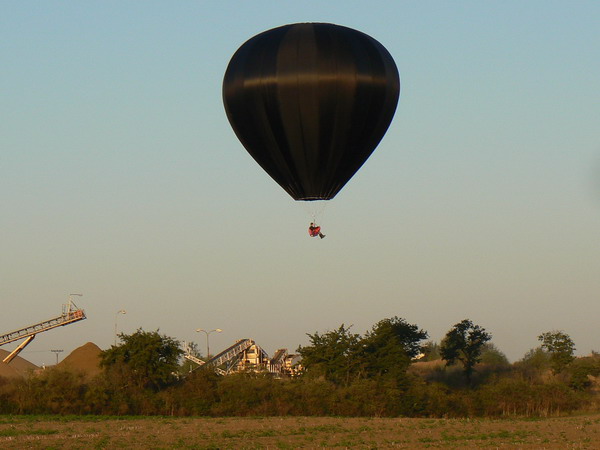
x: 391, y: 370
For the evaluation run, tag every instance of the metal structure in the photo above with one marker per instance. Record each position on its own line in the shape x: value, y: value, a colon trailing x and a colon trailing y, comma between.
x: 246, y: 355
x: 70, y: 314
x: 277, y: 363
x: 227, y: 358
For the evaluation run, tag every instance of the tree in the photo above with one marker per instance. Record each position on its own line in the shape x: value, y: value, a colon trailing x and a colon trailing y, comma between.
x: 390, y: 346
x: 492, y: 355
x: 146, y: 360
x: 464, y: 343
x: 583, y: 371
x: 332, y: 355
x: 561, y: 349
x: 385, y: 351
x: 431, y: 351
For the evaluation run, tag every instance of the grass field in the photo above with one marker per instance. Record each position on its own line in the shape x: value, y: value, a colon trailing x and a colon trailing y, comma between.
x: 89, y: 432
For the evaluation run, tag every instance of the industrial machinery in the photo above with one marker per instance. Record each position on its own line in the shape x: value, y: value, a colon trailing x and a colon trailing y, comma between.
x: 70, y: 314
x: 246, y: 355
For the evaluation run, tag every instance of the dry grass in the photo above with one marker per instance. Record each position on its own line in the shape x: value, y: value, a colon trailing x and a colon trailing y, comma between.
x: 295, y: 432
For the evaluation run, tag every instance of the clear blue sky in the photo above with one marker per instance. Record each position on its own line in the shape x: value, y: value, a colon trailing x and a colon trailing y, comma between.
x: 120, y: 177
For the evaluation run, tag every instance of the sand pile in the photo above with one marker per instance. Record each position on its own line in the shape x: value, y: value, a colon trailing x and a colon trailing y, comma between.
x: 18, y: 367
x: 84, y: 359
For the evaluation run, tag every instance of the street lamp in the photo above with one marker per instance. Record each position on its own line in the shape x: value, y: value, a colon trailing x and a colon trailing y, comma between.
x: 218, y: 330
x: 121, y: 311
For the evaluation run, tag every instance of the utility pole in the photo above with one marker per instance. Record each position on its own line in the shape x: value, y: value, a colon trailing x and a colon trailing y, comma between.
x: 57, y: 352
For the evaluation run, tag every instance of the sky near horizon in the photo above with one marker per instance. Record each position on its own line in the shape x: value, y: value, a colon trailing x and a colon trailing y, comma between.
x: 121, y: 179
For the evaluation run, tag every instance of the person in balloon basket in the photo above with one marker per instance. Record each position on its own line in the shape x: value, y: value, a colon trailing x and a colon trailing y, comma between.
x: 315, y: 230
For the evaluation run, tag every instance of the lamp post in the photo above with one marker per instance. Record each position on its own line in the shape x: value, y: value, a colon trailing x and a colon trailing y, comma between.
x: 121, y: 311
x: 218, y: 330
x: 57, y: 352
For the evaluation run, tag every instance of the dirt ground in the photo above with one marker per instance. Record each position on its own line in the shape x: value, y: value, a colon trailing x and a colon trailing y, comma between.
x: 296, y: 432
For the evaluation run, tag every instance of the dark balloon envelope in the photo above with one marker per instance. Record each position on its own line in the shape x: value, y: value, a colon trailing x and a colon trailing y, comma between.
x: 310, y: 102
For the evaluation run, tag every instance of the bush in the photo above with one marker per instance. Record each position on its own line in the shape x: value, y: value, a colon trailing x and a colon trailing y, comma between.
x: 581, y: 370
x: 518, y: 397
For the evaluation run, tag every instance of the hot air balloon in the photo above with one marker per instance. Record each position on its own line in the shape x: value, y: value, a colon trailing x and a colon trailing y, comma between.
x: 310, y: 102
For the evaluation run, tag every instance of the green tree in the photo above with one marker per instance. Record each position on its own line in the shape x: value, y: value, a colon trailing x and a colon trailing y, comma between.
x: 385, y: 351
x: 561, y: 349
x: 583, y: 371
x: 333, y: 355
x: 464, y: 343
x: 490, y: 354
x: 533, y: 365
x: 390, y: 346
x: 146, y: 360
